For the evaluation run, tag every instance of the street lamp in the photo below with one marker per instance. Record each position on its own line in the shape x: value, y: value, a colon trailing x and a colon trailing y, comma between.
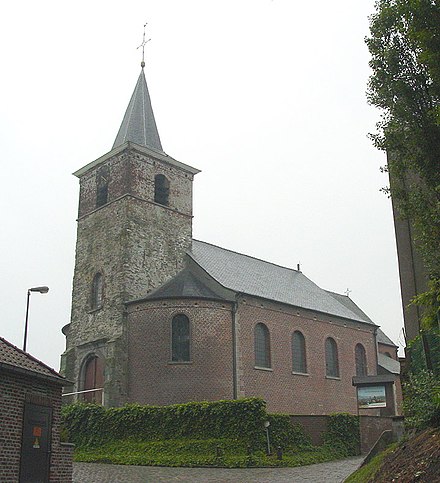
x: 34, y: 289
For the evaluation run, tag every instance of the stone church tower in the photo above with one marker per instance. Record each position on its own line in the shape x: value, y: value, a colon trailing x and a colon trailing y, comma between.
x: 134, y: 228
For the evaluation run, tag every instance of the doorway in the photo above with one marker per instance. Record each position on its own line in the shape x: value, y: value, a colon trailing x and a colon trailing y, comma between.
x: 36, y: 444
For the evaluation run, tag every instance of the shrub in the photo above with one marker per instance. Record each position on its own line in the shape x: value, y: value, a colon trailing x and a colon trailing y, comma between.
x: 421, y: 402
x: 285, y: 434
x: 417, y: 353
x: 90, y: 424
x: 343, y: 433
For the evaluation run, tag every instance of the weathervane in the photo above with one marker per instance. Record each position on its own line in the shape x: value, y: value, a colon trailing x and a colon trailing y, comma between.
x: 144, y: 42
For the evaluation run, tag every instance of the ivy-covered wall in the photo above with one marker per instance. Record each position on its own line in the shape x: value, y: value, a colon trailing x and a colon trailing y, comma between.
x: 93, y: 424
x: 243, y: 419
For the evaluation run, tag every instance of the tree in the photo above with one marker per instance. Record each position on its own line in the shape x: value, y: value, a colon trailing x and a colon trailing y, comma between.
x: 405, y: 84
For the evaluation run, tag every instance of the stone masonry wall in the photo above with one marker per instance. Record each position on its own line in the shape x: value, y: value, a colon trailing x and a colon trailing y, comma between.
x: 154, y: 379
x: 293, y: 393
x: 136, y: 244
x: 13, y: 391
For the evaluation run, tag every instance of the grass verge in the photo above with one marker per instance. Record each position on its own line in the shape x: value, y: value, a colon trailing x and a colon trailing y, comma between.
x: 366, y: 473
x: 228, y: 453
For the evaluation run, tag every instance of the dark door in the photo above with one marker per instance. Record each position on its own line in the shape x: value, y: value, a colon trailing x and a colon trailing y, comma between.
x: 36, y: 444
x: 94, y: 378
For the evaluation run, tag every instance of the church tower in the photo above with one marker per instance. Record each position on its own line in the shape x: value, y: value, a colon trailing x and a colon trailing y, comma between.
x: 134, y: 228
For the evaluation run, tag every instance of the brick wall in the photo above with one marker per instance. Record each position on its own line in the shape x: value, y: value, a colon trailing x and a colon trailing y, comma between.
x: 14, y: 388
x: 209, y: 375
x: 154, y: 379
x: 313, y: 393
x: 371, y: 427
x: 314, y: 426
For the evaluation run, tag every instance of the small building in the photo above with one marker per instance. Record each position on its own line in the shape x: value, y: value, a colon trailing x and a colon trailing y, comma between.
x: 30, y: 401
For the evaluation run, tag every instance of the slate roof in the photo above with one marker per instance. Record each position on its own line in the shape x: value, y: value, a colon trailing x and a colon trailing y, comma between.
x: 347, y: 302
x: 14, y: 359
x: 384, y: 339
x: 184, y: 285
x: 388, y: 364
x: 139, y: 125
x: 245, y: 274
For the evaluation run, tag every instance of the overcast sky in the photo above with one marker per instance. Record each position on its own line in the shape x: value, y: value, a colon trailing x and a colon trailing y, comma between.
x: 266, y: 97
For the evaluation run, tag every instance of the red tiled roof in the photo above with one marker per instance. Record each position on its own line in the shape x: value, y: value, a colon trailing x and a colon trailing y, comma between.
x: 13, y: 358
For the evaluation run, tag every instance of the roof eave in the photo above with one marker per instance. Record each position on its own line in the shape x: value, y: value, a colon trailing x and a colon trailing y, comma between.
x: 29, y: 372
x: 178, y: 297
x: 141, y: 149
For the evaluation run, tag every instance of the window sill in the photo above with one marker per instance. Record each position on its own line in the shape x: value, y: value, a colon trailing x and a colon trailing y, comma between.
x: 180, y: 363
x: 334, y: 378
x: 269, y: 369
x: 300, y: 373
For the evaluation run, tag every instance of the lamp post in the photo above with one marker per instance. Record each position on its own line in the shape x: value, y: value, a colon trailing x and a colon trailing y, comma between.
x: 33, y: 289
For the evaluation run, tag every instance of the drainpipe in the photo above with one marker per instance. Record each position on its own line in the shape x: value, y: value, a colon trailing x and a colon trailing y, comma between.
x: 377, y: 350
x: 234, y: 351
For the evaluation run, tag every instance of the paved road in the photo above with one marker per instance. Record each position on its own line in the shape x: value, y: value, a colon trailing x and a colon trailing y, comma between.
x: 332, y: 472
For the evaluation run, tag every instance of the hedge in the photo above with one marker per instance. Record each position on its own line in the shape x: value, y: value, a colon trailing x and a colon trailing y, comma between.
x: 241, y: 420
x: 89, y: 424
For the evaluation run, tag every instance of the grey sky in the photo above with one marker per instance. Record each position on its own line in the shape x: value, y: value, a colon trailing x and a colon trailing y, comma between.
x: 267, y: 98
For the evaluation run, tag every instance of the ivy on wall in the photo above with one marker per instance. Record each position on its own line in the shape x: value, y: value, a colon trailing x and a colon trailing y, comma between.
x: 242, y: 420
x: 89, y: 424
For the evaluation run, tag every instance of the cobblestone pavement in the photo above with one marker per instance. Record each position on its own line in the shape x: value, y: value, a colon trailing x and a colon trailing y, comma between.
x: 332, y: 472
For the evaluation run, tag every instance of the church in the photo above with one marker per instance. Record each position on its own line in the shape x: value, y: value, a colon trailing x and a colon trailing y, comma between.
x: 161, y: 318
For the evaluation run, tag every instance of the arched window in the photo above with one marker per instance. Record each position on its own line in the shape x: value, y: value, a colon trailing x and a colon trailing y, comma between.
x: 262, y: 346
x: 361, y: 360
x: 161, y: 189
x: 93, y: 379
x: 97, y: 292
x: 180, y: 339
x: 102, y: 179
x: 299, y: 352
x: 331, y: 358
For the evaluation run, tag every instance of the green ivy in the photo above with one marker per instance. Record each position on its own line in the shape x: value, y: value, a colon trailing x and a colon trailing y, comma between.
x: 285, y: 434
x: 90, y: 424
x: 421, y: 404
x: 343, y: 433
x: 417, y: 353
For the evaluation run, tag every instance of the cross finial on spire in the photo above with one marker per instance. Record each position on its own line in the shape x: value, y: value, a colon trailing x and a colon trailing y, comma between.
x: 144, y: 42
x: 348, y: 292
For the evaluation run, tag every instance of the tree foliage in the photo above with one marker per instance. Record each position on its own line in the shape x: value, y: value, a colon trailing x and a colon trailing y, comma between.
x: 405, y: 84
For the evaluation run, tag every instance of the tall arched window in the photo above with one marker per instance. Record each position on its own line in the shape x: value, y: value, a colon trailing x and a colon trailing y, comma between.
x: 102, y: 179
x: 361, y: 360
x: 97, y: 291
x: 262, y: 346
x: 331, y: 358
x: 299, y: 352
x: 180, y: 339
x: 93, y: 379
x: 161, y: 189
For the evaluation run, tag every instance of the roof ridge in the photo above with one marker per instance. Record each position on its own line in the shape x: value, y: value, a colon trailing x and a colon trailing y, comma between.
x: 31, y: 357
x: 337, y: 293
x: 249, y: 256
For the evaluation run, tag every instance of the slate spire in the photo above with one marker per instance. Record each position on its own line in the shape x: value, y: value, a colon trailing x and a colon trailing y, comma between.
x: 138, y: 125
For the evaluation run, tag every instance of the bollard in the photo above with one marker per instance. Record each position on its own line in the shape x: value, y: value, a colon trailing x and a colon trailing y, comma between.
x: 279, y: 453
